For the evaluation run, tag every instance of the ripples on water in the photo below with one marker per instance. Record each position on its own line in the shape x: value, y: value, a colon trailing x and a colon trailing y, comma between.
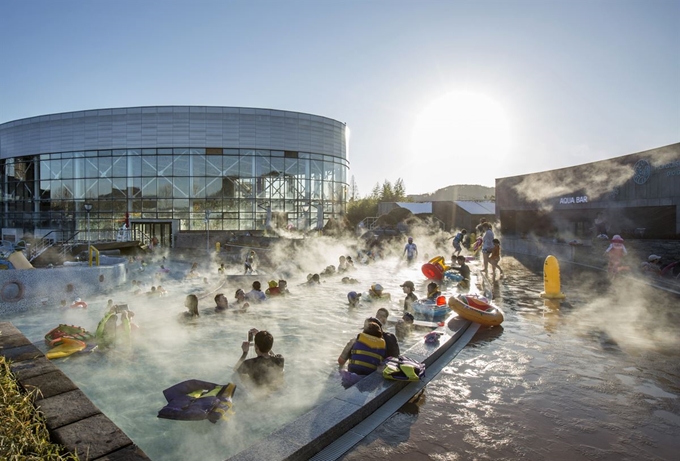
x: 592, y: 379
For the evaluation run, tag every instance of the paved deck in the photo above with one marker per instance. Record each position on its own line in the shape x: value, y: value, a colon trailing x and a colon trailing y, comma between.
x: 72, y: 419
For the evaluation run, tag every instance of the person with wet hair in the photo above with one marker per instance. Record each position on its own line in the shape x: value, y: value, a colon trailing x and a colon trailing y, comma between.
x: 366, y: 352
x: 222, y: 270
x: 409, y: 290
x: 241, y: 303
x: 221, y: 303
x: 391, y: 343
x: 266, y: 369
x: 256, y: 295
x: 349, y: 281
x: 191, y: 303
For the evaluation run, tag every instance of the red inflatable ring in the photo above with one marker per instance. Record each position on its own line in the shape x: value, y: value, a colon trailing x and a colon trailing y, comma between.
x: 432, y: 271
x: 79, y: 304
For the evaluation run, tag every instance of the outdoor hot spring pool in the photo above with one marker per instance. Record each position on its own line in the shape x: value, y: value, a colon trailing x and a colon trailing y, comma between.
x: 310, y: 328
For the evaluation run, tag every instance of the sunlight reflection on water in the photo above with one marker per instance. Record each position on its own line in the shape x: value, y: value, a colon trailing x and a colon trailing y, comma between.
x: 572, y: 383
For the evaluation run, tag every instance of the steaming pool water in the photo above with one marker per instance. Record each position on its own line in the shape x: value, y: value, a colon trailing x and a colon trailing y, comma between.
x: 591, y: 379
x: 310, y: 328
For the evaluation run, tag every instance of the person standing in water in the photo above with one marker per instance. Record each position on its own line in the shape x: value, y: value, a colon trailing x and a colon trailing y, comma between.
x: 457, y: 241
x: 409, y: 289
x: 250, y: 263
x: 410, y: 251
x: 487, y: 245
x: 495, y: 257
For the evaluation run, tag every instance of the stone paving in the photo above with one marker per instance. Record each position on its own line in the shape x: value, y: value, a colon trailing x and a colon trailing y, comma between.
x: 72, y: 419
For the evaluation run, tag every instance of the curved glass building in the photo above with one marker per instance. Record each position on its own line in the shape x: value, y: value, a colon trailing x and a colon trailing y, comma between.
x: 170, y: 169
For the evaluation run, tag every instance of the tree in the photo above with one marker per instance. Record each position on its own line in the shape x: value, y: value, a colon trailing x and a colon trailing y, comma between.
x: 399, y: 190
x: 387, y: 194
x: 353, y: 190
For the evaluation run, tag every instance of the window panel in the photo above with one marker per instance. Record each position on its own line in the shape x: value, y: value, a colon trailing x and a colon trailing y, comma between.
x: 197, y: 164
x: 149, y: 188
x: 149, y: 165
x: 164, y: 165
x: 246, y: 166
x: 180, y: 165
x: 119, y: 167
x: 230, y: 166
x: 105, y: 167
x: 181, y: 187
x: 198, y: 187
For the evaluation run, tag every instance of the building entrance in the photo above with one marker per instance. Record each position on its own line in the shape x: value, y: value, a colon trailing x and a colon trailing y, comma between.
x: 146, y: 231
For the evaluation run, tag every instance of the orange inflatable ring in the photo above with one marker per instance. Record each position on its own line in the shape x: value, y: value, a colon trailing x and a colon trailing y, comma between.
x: 79, y: 304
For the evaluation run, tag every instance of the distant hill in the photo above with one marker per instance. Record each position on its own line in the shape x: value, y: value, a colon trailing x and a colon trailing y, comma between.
x: 456, y: 192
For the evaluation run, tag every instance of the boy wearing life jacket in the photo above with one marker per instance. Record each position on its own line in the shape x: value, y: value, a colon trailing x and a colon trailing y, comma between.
x: 366, y: 352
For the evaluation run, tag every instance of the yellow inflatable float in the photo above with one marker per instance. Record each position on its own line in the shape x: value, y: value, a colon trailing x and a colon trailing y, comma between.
x: 65, y: 347
x: 476, y: 309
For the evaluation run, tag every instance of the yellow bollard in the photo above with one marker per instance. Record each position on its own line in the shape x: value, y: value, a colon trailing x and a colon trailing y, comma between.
x: 217, y: 247
x: 551, y: 279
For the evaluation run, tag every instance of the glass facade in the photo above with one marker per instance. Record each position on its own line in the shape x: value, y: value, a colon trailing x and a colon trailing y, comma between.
x: 239, y: 189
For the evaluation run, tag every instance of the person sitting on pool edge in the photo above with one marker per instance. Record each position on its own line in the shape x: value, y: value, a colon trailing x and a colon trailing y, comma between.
x: 267, y: 368
x: 375, y: 293
x: 365, y: 352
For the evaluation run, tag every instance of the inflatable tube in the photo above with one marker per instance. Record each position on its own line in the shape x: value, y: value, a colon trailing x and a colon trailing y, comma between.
x: 67, y: 331
x: 476, y: 310
x: 65, y: 347
x: 9, y: 295
x: 79, y: 305
x: 424, y: 310
x: 432, y: 272
x: 196, y: 400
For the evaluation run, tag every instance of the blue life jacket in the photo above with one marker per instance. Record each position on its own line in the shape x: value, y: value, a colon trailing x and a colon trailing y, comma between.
x: 366, y: 354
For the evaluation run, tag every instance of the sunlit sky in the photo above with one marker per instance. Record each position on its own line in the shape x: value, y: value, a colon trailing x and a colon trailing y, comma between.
x: 434, y: 92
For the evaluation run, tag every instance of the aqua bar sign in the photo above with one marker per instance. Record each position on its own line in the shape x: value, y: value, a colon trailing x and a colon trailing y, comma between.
x: 570, y: 200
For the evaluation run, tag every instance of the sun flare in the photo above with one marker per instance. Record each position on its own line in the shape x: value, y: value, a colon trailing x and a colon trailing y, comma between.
x: 461, y: 126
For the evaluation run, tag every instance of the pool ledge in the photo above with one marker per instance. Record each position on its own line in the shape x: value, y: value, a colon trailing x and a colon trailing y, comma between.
x: 313, y: 431
x: 72, y: 419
